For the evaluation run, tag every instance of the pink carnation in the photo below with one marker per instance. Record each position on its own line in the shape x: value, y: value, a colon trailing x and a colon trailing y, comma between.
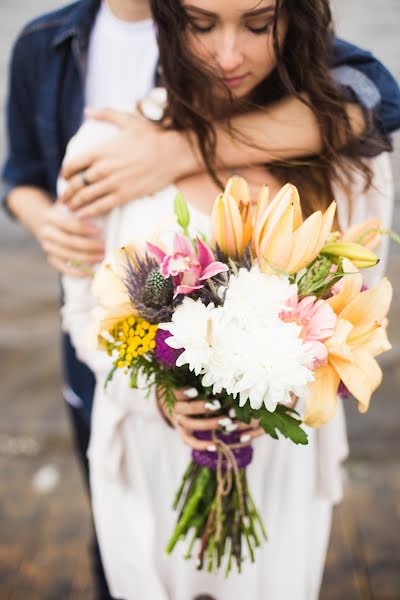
x: 317, y: 320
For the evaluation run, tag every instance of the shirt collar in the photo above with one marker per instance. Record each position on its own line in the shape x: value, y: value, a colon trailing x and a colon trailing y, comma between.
x: 78, y: 23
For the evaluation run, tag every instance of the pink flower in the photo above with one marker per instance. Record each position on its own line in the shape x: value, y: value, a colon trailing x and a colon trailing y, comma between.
x: 187, y: 269
x: 317, y: 320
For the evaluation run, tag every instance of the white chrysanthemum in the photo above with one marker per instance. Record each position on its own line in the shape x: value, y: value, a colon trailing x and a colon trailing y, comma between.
x: 253, y: 298
x: 243, y: 347
x: 189, y: 329
x: 262, y: 366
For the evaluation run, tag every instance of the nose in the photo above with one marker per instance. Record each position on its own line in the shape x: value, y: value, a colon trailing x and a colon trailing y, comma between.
x: 229, y: 54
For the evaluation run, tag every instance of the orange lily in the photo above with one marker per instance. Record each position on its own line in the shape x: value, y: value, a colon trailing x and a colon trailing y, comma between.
x: 231, y: 218
x: 359, y: 337
x: 367, y: 234
x: 282, y: 241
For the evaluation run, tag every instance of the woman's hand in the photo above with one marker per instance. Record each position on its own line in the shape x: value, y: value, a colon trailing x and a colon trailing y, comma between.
x: 72, y: 246
x: 141, y: 159
x: 188, y: 407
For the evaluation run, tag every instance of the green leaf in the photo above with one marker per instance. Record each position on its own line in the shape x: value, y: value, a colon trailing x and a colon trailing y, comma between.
x: 283, y: 421
x: 244, y: 413
x: 110, y: 376
x: 182, y: 212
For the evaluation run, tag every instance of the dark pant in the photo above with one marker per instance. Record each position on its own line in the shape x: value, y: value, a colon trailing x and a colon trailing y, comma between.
x: 81, y: 432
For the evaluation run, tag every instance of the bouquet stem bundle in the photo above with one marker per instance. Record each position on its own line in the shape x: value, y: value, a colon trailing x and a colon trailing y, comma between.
x: 216, y: 509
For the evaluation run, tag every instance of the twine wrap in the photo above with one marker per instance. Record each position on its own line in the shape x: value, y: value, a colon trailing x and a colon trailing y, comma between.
x: 243, y: 454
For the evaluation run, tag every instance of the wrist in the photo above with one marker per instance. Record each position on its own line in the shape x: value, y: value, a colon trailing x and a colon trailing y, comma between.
x: 186, y: 159
x: 29, y: 205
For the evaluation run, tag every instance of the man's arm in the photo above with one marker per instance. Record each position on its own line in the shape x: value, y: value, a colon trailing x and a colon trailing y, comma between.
x: 63, y: 237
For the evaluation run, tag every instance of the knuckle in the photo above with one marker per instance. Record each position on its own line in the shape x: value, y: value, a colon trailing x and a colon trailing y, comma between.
x: 102, y: 171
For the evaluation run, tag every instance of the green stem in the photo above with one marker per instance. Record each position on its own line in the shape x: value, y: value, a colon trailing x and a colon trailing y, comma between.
x: 190, y: 509
x: 185, y: 477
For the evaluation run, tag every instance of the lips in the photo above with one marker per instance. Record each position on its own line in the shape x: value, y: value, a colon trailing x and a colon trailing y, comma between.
x: 236, y: 81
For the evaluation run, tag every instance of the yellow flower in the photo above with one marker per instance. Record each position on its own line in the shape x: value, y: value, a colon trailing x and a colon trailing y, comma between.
x: 128, y: 328
x: 359, y: 337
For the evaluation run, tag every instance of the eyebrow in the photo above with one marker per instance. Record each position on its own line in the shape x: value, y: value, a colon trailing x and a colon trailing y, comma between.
x: 249, y: 13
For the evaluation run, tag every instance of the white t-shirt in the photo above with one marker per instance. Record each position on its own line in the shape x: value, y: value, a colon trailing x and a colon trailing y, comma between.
x: 122, y: 59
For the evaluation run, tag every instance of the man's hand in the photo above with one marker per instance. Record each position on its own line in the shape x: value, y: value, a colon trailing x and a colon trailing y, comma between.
x: 71, y: 245
x: 141, y: 159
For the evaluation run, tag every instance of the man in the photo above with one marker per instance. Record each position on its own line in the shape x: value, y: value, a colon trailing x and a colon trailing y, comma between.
x: 67, y: 59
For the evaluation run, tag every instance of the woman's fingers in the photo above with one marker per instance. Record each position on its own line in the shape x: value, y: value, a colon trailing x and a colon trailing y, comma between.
x: 212, y: 424
x: 115, y: 117
x: 88, y: 194
x: 195, y: 407
x: 194, y: 443
x: 247, y: 437
x: 75, y: 166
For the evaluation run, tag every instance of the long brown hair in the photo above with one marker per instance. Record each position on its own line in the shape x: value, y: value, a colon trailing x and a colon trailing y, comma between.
x: 302, y: 71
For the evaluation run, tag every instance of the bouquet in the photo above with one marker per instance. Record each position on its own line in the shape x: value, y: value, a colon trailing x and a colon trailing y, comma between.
x: 268, y: 320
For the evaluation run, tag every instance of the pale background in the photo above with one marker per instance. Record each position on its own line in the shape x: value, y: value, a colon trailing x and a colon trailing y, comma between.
x: 43, y: 513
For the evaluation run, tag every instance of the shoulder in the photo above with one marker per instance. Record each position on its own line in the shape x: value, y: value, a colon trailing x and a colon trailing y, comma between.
x: 33, y: 46
x: 49, y: 22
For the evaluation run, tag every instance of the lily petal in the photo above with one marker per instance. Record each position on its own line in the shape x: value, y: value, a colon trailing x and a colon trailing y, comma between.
x: 337, y: 345
x: 361, y: 377
x: 261, y: 202
x: 238, y: 188
x: 352, y: 285
x: 108, y: 288
x: 321, y: 403
x: 304, y: 242
x: 276, y: 248
x: 378, y: 343
x: 326, y: 226
x: 369, y: 307
x: 366, y: 233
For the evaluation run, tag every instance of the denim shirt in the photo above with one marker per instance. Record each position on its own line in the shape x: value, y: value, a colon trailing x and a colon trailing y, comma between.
x: 45, y: 107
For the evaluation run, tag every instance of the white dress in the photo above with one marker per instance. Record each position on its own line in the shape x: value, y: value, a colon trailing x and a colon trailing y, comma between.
x: 136, y: 460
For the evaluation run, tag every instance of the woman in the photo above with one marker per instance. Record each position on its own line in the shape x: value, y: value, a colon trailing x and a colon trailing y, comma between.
x: 232, y: 55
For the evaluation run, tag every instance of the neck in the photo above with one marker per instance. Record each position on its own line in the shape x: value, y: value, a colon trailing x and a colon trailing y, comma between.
x: 130, y: 10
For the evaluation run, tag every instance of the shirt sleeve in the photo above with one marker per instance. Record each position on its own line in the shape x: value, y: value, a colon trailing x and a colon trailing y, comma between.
x: 24, y: 164
x: 365, y: 80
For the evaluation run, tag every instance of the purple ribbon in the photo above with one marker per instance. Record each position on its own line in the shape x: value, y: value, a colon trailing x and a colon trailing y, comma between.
x: 207, y: 459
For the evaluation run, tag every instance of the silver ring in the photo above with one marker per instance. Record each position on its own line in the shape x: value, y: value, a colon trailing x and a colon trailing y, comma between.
x: 84, y: 178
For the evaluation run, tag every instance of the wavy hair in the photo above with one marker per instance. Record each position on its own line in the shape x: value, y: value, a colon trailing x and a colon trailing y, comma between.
x: 302, y: 71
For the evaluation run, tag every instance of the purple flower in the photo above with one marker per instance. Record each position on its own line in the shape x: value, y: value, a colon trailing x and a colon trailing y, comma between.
x: 164, y: 353
x: 343, y: 392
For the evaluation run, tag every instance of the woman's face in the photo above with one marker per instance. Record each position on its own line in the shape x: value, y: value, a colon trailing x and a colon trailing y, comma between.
x: 234, y: 38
